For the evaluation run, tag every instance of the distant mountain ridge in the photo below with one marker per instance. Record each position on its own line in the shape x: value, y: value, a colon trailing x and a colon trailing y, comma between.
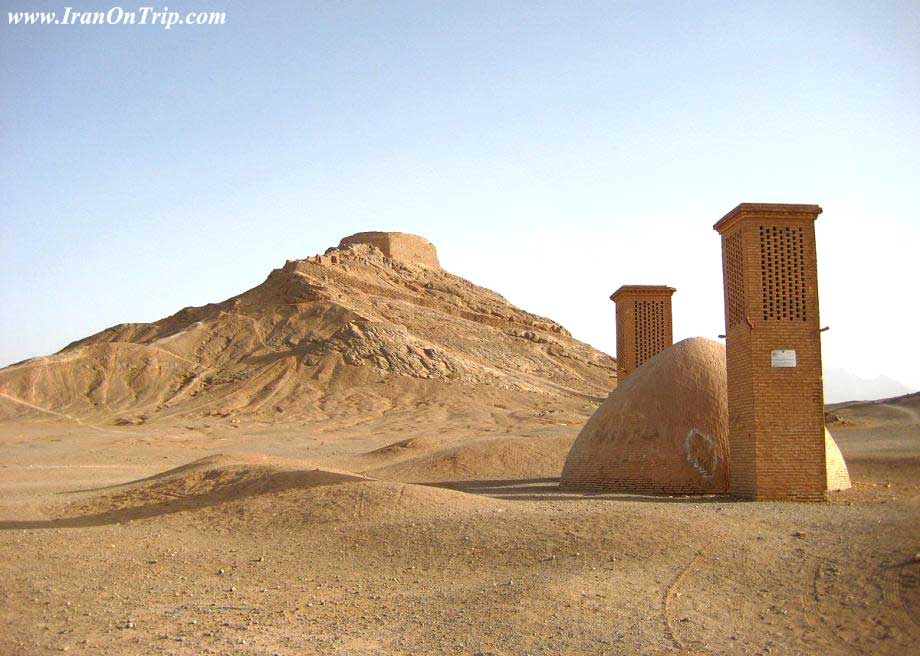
x: 841, y: 385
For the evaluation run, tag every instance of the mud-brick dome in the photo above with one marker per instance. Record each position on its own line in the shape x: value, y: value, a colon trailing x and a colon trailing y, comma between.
x: 838, y: 476
x: 663, y: 430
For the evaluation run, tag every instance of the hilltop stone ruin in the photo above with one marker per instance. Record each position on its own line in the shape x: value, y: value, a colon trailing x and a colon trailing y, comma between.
x: 411, y: 249
x: 396, y: 246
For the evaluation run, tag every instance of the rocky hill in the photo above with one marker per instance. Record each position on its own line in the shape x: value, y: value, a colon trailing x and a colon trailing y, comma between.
x: 369, y: 326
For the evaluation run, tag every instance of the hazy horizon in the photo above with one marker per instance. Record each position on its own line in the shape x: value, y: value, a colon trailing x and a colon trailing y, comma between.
x: 551, y: 154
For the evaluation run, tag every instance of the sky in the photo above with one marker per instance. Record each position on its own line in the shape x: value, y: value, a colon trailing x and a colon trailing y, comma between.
x: 551, y: 151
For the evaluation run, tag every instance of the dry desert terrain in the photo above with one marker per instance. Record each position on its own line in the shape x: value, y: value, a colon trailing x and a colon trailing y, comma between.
x: 216, y: 538
x: 362, y: 456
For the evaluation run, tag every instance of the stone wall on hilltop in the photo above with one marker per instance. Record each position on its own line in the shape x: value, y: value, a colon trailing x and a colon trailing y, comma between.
x: 407, y: 248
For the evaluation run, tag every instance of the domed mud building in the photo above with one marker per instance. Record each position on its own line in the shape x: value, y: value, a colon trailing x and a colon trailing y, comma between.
x: 664, y: 430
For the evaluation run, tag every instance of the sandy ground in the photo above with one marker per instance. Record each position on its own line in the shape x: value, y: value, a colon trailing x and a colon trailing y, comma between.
x: 243, y: 554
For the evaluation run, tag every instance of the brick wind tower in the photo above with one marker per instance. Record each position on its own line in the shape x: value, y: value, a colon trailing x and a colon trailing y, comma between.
x: 643, y: 324
x: 773, y: 352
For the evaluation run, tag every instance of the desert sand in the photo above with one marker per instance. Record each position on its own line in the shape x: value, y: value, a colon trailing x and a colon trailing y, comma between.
x: 364, y: 458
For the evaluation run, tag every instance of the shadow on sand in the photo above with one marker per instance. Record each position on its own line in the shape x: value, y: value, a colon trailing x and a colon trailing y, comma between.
x: 547, y: 489
x: 234, y: 490
x: 529, y: 489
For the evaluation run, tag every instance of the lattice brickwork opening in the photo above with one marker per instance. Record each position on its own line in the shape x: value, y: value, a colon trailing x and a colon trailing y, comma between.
x: 650, y: 330
x: 733, y: 263
x: 621, y: 339
x: 782, y: 273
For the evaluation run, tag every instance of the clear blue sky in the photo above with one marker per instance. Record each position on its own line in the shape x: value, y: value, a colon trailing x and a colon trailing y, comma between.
x: 545, y: 150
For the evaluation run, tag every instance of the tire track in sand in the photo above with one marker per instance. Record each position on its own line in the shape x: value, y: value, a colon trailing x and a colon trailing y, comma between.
x: 671, y: 592
x: 813, y: 616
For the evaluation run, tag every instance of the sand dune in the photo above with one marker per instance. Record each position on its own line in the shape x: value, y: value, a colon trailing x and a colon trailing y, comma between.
x: 898, y: 410
x: 203, y: 483
x: 486, y: 458
x: 244, y: 492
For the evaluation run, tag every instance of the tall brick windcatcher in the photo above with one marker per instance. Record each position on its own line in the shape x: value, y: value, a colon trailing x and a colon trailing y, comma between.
x: 773, y: 352
x: 643, y: 324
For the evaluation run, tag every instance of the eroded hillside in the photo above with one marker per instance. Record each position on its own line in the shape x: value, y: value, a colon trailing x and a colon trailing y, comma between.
x: 350, y: 333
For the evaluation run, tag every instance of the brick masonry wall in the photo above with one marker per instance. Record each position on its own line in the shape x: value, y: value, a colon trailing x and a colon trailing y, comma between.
x: 643, y: 324
x: 776, y: 418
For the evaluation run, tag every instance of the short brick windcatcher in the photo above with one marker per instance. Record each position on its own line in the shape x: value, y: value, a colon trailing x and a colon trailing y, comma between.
x: 643, y: 324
